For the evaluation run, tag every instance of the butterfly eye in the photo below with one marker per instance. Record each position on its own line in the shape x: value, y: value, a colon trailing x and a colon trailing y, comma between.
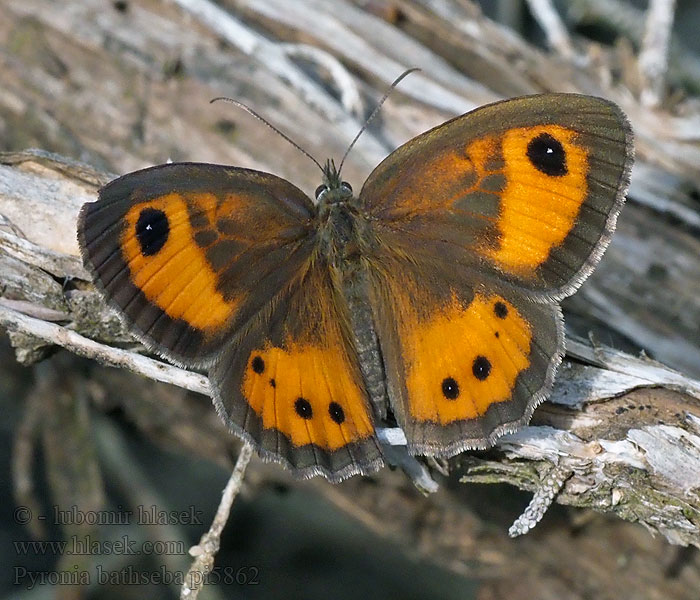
x: 346, y: 187
x: 319, y: 190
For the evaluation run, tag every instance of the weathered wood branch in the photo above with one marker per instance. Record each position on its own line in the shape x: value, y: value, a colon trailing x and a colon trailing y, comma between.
x: 126, y: 85
x: 623, y: 431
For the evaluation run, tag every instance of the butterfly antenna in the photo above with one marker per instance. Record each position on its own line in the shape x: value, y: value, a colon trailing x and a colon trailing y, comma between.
x: 376, y: 111
x: 251, y: 112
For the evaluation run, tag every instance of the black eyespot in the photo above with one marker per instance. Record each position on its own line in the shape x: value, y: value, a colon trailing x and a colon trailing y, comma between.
x: 481, y: 367
x: 303, y: 408
x: 258, y: 364
x: 450, y: 388
x: 501, y: 310
x: 547, y: 155
x: 336, y: 412
x: 319, y: 190
x: 273, y: 383
x: 152, y: 230
x: 346, y: 186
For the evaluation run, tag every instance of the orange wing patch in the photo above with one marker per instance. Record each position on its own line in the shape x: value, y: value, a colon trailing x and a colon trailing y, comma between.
x: 465, y: 359
x: 546, y: 185
x: 436, y: 184
x: 168, y: 266
x: 307, y: 393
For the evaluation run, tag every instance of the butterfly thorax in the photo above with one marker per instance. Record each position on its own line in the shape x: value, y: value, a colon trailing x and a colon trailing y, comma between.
x: 342, y: 228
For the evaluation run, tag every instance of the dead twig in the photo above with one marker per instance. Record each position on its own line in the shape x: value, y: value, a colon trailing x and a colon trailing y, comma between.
x: 653, y: 56
x: 208, y: 546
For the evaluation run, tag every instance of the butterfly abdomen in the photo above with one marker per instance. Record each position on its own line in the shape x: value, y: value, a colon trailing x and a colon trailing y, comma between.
x: 345, y: 242
x: 366, y: 341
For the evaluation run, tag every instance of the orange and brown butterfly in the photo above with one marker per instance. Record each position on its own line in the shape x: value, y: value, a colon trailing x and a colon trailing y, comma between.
x: 432, y: 295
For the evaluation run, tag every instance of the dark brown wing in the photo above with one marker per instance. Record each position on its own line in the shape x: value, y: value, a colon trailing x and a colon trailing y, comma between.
x: 189, y: 252
x: 465, y: 363
x: 215, y: 266
x: 527, y: 190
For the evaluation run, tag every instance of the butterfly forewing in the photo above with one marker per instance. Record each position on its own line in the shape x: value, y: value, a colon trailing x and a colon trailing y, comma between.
x: 189, y: 253
x: 525, y: 190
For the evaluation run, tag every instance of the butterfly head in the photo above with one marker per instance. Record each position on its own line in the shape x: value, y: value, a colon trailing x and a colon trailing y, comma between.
x: 333, y: 190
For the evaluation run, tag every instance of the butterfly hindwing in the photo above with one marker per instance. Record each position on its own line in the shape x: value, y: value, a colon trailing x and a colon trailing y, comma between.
x: 294, y: 388
x: 464, y: 362
x: 525, y: 190
x: 189, y: 252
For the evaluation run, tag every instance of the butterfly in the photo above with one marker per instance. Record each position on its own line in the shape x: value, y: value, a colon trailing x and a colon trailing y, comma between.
x: 430, y: 298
